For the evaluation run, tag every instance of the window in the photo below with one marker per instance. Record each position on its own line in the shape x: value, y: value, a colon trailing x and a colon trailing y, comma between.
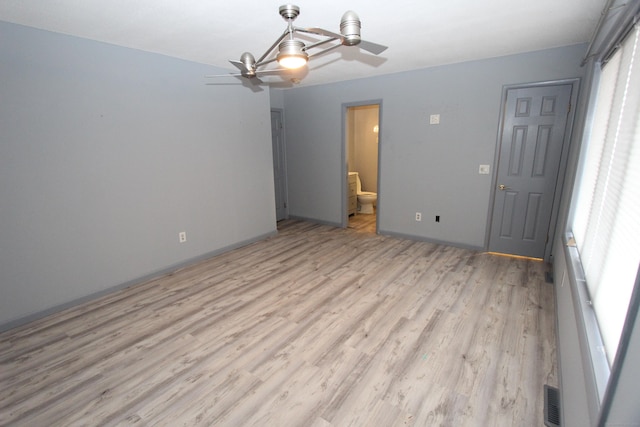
x: 606, y: 219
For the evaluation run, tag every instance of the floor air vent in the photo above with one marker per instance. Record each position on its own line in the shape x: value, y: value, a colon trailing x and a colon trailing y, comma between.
x: 551, y: 406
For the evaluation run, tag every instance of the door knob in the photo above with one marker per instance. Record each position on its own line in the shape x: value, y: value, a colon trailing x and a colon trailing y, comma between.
x: 503, y: 187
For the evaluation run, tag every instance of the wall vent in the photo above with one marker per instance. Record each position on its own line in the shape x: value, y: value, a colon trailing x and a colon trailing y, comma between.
x: 548, y: 277
x: 551, y: 406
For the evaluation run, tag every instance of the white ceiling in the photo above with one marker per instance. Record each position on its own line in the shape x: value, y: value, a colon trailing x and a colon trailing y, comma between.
x: 419, y: 33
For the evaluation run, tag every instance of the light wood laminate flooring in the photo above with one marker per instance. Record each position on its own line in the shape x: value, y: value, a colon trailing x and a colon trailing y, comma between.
x: 363, y: 223
x: 317, y: 326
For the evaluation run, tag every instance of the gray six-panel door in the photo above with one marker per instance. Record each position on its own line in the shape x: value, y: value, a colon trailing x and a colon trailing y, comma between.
x: 531, y: 142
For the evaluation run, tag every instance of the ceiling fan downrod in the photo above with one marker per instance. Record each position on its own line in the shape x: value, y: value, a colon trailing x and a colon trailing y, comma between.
x: 291, y: 52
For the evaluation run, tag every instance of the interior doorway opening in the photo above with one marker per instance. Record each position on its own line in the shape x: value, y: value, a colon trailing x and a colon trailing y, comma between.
x: 362, y: 131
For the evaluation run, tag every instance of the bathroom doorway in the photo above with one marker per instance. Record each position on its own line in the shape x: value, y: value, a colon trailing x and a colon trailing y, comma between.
x: 361, y: 142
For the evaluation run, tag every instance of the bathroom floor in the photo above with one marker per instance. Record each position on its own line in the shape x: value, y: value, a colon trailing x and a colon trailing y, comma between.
x: 363, y: 223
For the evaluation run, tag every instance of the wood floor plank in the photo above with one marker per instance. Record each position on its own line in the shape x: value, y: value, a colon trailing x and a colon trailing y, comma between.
x: 316, y: 326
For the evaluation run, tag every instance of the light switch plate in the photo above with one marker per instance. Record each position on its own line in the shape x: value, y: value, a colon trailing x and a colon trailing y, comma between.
x: 434, y: 119
x: 484, y: 169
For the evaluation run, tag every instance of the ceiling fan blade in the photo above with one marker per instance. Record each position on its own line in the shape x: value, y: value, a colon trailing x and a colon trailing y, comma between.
x: 272, y: 72
x: 253, y: 86
x: 255, y: 81
x: 240, y: 66
x: 374, y: 48
x: 252, y: 79
x: 320, y: 32
x: 210, y: 76
x: 327, y: 50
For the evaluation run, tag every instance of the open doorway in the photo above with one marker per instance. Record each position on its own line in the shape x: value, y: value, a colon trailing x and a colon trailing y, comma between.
x: 362, y: 130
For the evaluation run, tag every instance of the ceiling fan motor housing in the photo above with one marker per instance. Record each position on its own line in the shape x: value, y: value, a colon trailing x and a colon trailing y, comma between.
x: 289, y: 11
x: 248, y: 60
x: 350, y: 28
x: 249, y: 63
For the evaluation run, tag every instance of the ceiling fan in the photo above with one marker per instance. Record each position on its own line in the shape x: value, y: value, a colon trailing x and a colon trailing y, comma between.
x: 292, y: 54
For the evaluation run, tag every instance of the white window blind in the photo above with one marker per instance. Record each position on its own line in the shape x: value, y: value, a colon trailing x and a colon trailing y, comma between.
x: 606, y: 221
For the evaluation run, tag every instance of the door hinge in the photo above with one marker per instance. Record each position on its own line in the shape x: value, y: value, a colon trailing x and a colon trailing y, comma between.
x: 569, y: 108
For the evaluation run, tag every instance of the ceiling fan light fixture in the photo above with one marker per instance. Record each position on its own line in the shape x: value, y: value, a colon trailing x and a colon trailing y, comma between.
x: 291, y: 54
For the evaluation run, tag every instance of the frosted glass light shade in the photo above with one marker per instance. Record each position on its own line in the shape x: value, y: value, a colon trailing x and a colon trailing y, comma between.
x: 291, y: 54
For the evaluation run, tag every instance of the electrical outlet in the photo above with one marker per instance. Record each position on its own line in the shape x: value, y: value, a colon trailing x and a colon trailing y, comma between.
x: 434, y: 119
x: 182, y: 236
x: 437, y: 218
x: 418, y: 216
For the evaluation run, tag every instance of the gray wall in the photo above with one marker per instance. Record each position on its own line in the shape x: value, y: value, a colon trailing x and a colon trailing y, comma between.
x: 277, y: 98
x: 106, y: 154
x: 425, y: 168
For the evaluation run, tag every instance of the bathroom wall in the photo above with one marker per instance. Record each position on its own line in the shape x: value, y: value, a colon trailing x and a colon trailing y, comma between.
x: 432, y: 169
x: 106, y: 154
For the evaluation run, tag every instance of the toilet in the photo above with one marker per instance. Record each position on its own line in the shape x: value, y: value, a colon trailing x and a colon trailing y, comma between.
x: 366, y: 199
